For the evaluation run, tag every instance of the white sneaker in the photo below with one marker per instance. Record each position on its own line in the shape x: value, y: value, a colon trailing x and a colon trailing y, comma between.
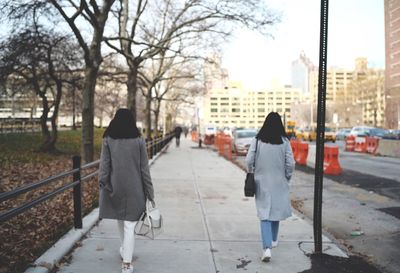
x: 127, y: 269
x: 266, y: 257
x: 120, y: 252
x: 274, y: 244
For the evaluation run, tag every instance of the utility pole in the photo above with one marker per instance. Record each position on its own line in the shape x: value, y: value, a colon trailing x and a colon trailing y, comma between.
x: 319, y: 157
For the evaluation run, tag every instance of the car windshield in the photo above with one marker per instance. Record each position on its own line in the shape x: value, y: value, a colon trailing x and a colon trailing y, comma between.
x: 246, y: 134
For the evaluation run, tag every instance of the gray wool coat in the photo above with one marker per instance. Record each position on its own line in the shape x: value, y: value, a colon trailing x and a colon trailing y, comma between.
x: 124, y: 179
x: 274, y: 168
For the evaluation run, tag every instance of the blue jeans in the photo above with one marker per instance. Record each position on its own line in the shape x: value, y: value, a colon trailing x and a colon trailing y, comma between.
x: 269, y: 232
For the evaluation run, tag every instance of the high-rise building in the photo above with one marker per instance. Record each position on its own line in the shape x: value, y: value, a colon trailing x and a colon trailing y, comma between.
x: 392, y: 63
x: 301, y: 70
x: 234, y: 106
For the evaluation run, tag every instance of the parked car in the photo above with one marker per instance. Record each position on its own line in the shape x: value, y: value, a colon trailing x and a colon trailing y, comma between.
x: 342, y: 133
x: 392, y: 134
x: 378, y: 132
x: 360, y: 131
x: 242, y: 139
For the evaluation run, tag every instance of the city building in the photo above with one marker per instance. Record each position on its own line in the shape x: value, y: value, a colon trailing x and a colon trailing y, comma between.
x: 234, y: 106
x: 302, y: 68
x: 348, y: 91
x: 392, y: 63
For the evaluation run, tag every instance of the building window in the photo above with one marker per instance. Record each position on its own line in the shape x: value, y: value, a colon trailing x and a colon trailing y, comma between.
x: 225, y: 103
x: 224, y: 98
x: 214, y: 103
x: 236, y: 110
x: 261, y: 110
x: 224, y: 110
x: 214, y: 110
x: 213, y: 98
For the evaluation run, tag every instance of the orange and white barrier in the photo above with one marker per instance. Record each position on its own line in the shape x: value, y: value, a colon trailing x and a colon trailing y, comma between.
x: 372, y: 145
x: 350, y: 143
x: 331, y: 160
x: 294, y: 145
x: 361, y: 145
x: 301, y: 153
x: 224, y: 145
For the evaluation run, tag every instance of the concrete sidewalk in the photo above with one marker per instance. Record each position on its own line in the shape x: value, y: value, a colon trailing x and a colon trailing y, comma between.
x: 208, y: 225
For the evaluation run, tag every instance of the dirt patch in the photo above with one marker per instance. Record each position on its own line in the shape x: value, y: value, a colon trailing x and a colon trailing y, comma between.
x: 26, y: 236
x: 323, y: 263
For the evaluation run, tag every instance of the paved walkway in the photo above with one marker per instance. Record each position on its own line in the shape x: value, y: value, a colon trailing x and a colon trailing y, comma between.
x: 208, y: 225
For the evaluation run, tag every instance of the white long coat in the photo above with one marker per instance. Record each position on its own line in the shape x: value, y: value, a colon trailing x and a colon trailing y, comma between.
x: 274, y: 168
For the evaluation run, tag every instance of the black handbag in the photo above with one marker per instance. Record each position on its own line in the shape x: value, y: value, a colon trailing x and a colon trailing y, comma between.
x: 250, y: 183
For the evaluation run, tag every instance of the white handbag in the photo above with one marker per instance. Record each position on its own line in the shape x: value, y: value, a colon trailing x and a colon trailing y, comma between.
x: 150, y: 222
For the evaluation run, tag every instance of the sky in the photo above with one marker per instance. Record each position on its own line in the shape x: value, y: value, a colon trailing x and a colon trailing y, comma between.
x: 355, y: 29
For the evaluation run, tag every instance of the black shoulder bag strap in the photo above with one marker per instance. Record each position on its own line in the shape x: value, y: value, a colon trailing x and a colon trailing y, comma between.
x: 255, y: 154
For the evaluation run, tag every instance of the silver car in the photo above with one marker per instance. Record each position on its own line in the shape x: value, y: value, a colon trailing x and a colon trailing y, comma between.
x: 242, y: 139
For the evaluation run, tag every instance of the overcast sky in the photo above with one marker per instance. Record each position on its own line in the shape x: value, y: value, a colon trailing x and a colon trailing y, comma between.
x: 355, y: 29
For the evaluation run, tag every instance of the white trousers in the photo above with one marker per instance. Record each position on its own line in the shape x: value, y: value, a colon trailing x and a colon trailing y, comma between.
x: 127, y: 235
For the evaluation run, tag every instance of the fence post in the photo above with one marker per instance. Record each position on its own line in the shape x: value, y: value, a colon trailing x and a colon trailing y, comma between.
x: 76, y: 164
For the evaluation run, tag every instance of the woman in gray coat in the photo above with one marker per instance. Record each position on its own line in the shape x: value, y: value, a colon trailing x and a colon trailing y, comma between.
x: 124, y: 179
x: 274, y: 165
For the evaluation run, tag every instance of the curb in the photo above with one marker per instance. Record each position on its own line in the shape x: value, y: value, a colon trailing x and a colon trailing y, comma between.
x: 48, y: 261
x: 54, y: 254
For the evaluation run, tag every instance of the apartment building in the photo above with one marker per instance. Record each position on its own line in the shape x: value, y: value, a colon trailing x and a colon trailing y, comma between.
x: 347, y: 89
x: 392, y: 63
x: 234, y: 106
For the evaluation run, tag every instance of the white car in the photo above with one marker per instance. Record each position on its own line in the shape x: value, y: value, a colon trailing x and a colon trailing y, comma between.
x: 242, y: 139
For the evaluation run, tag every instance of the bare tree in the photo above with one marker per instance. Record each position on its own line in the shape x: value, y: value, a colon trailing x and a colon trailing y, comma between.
x: 35, y: 60
x: 155, y: 26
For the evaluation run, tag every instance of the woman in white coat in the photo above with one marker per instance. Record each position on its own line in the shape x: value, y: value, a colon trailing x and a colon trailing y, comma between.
x: 274, y: 165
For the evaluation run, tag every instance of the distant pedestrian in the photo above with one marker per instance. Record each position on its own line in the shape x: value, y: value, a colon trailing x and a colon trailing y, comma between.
x: 274, y: 165
x: 124, y: 179
x: 178, y: 132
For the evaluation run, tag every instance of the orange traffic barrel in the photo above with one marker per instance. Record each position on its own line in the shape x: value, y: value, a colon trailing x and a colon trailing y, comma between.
x: 331, y: 160
x: 301, y: 153
x: 350, y: 143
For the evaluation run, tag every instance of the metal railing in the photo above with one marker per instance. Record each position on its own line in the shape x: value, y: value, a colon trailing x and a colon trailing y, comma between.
x: 153, y: 147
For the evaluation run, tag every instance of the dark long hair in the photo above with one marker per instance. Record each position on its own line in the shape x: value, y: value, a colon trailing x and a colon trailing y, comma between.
x: 123, y: 125
x: 272, y: 130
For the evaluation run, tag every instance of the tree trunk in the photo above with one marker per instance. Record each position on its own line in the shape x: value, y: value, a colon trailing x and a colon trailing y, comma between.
x: 73, y: 109
x: 132, y: 88
x: 51, y: 145
x: 156, y: 117
x: 88, y: 113
x: 148, y: 114
x: 43, y: 123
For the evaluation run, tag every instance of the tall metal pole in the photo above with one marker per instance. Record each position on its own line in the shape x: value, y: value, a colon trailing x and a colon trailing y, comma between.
x: 319, y: 157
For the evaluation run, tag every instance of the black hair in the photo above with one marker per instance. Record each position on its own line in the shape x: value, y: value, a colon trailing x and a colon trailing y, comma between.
x: 272, y: 130
x: 123, y: 125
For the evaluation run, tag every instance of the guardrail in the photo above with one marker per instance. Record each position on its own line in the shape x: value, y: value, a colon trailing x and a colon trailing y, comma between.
x: 153, y: 147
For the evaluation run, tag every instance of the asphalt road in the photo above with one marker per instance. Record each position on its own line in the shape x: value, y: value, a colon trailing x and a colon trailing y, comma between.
x: 379, y: 166
x: 364, y: 199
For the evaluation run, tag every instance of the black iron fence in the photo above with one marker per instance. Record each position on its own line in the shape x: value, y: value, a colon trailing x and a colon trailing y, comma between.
x: 154, y: 146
